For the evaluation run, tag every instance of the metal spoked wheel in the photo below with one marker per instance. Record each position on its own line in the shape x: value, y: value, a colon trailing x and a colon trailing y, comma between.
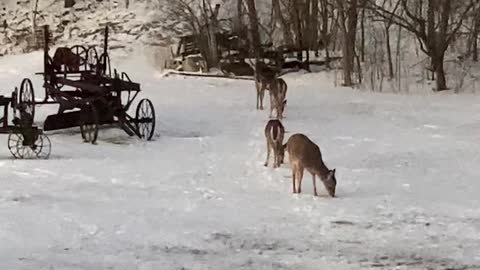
x: 145, y: 119
x: 81, y: 52
x: 40, y: 148
x: 27, y: 97
x: 89, y: 124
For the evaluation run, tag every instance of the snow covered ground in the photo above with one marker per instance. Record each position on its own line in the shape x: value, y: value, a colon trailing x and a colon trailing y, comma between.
x: 199, y: 197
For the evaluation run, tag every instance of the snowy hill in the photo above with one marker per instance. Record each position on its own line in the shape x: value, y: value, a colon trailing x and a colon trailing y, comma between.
x: 199, y: 197
x: 142, y: 24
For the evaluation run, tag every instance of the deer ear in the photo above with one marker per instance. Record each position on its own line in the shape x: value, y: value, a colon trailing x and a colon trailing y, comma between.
x: 331, y: 173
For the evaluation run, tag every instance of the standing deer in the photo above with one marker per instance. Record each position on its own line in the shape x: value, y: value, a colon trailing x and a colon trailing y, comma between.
x: 305, y: 154
x: 264, y: 76
x: 261, y: 86
x: 278, y: 94
x: 274, y: 133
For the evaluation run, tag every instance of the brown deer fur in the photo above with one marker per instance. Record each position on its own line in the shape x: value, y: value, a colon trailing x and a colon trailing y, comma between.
x: 264, y: 75
x: 278, y: 94
x: 305, y: 154
x: 274, y: 134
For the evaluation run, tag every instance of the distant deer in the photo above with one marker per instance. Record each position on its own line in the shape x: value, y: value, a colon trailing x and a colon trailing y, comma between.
x: 305, y: 154
x: 261, y: 86
x: 274, y: 133
x: 264, y: 76
x: 278, y: 94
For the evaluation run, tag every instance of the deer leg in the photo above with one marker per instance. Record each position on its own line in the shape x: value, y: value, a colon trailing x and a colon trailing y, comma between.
x: 282, y: 109
x: 294, y: 169
x: 258, y: 94
x: 262, y: 94
x: 268, y: 154
x: 300, y: 178
x: 258, y: 98
x: 276, y: 157
x: 314, y: 185
x: 279, y: 114
x: 272, y: 104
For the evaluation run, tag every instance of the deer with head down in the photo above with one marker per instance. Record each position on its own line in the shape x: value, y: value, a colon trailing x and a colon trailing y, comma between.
x: 274, y: 133
x: 305, y: 154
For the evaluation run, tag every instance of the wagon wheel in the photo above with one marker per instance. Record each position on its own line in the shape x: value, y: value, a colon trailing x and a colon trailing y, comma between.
x: 80, y: 51
x: 89, y: 124
x: 27, y: 97
x: 145, y: 119
x: 40, y: 148
x: 92, y: 58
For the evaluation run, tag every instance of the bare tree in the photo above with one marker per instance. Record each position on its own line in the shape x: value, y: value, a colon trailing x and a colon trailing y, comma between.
x: 387, y: 24
x: 473, y: 38
x: 254, y: 32
x: 324, y: 31
x: 313, y: 23
x: 348, y: 16
x: 201, y: 20
x: 434, y: 23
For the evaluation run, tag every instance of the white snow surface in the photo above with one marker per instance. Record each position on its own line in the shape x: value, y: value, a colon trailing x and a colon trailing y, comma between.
x: 199, y: 197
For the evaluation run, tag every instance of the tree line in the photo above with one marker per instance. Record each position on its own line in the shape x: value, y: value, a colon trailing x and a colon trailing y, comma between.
x: 368, y: 34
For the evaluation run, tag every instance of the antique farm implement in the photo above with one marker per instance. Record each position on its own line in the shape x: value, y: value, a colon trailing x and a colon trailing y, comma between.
x: 89, y: 95
x: 25, y: 140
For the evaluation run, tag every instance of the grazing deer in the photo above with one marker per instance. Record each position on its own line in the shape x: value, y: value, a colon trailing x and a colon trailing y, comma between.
x: 278, y: 94
x: 264, y: 76
x: 305, y: 154
x: 274, y: 133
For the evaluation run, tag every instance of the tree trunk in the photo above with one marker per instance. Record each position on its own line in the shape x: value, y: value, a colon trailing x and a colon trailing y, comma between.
x: 474, y: 38
x: 314, y: 27
x: 389, y: 53
x: 252, y: 16
x: 297, y: 22
x: 439, y: 72
x: 211, y: 28
x: 239, y: 22
x: 348, y: 20
x: 475, y: 48
x: 287, y: 35
x: 324, y: 31
x: 362, y: 32
x: 348, y: 60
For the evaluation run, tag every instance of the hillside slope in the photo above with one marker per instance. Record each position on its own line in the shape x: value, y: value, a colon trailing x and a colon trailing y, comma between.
x: 142, y: 24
